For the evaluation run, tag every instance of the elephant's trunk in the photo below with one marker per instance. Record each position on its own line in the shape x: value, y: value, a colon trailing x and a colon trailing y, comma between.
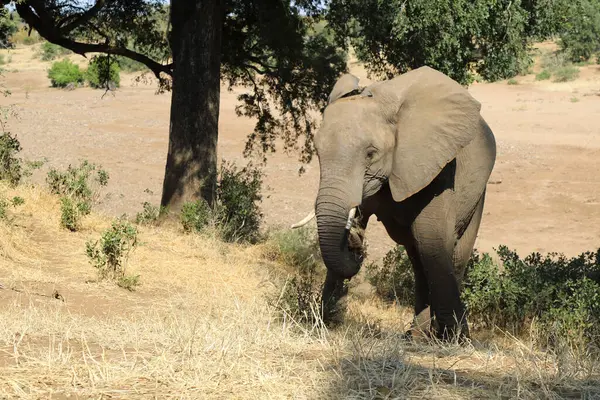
x: 333, y: 208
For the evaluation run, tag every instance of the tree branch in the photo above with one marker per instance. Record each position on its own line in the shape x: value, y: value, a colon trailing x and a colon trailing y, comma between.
x: 261, y: 62
x: 32, y: 16
x: 40, y: 9
x: 255, y: 68
x: 83, y: 48
x: 83, y: 18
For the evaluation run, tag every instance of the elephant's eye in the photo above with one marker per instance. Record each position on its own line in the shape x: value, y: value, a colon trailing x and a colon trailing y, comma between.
x: 371, y: 153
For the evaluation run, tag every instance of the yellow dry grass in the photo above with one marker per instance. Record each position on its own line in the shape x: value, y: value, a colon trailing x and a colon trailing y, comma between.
x: 200, y: 327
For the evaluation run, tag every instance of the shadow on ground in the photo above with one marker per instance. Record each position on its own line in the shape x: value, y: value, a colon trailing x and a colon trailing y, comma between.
x: 404, y: 370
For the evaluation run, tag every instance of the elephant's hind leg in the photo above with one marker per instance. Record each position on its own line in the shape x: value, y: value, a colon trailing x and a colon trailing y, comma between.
x: 464, y: 245
x: 435, y: 240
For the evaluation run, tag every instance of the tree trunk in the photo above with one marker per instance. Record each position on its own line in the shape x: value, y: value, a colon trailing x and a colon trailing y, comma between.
x: 191, y: 169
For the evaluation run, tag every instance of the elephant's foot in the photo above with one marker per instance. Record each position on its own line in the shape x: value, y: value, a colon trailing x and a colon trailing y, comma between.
x: 421, y: 327
x: 425, y: 328
x: 333, y: 313
x: 458, y: 334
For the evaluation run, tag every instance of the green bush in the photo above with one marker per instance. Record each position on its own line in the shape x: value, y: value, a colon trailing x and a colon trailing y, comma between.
x: 77, y: 189
x: 3, y: 209
x: 196, y: 216
x: 566, y: 74
x: 70, y: 213
x: 512, y: 81
x: 394, y: 279
x: 75, y: 181
x: 557, y: 64
x: 238, y: 194
x: 11, y: 168
x: 63, y: 73
x: 4, y: 204
x: 17, y: 201
x: 544, y: 75
x: 561, y: 294
x: 553, y: 60
x: 100, y: 72
x: 50, y: 51
x: 109, y: 254
x: 297, y: 248
x: 236, y: 214
x: 129, y: 282
x: 29, y: 40
x: 299, y: 296
x: 23, y: 36
x: 149, y: 215
x: 491, y: 300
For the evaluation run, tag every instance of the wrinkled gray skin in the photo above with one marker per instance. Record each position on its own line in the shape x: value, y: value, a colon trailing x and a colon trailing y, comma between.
x: 415, y: 152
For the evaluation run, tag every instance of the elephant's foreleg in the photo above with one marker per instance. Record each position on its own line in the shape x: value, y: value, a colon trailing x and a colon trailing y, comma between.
x: 420, y: 322
x: 421, y: 287
x: 433, y: 232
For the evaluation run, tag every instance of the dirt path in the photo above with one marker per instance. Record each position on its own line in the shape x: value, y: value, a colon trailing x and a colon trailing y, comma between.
x: 547, y: 133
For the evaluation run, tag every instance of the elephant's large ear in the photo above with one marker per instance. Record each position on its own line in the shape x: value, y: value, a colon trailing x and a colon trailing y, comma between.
x: 436, y: 118
x: 347, y: 84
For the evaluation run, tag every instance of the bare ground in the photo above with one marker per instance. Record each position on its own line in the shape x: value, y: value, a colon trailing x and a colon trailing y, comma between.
x: 200, y: 327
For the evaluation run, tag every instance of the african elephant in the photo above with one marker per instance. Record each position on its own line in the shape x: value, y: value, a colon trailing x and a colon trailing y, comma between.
x: 415, y: 152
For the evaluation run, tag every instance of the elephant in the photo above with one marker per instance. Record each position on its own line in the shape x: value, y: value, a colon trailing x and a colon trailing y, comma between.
x: 415, y: 152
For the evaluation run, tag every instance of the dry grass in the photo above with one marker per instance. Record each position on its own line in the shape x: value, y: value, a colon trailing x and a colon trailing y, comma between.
x: 200, y: 327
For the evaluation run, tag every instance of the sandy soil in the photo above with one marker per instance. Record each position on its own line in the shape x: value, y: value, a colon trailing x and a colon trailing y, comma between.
x: 544, y: 193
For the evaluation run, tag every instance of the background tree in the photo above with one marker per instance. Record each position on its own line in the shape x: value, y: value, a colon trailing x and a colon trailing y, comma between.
x: 267, y: 45
x: 8, y: 26
x: 462, y: 38
x: 580, y: 29
x: 459, y: 38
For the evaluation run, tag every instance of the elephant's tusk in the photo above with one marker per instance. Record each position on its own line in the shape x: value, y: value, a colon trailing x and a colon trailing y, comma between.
x: 305, y: 221
x: 351, y: 215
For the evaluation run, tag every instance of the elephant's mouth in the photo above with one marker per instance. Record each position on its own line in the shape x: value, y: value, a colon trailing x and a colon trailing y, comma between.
x: 357, y: 244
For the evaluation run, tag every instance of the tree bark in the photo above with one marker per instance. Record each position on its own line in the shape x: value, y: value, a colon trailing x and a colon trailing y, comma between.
x: 191, y: 168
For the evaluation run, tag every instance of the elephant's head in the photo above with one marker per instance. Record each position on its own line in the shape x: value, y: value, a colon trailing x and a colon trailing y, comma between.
x: 400, y: 132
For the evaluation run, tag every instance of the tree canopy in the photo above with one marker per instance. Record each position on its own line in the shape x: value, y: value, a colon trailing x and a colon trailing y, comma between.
x: 462, y: 38
x: 269, y: 46
x: 459, y: 38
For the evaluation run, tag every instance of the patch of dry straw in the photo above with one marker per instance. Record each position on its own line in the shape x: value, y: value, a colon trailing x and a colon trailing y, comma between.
x: 199, y: 327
